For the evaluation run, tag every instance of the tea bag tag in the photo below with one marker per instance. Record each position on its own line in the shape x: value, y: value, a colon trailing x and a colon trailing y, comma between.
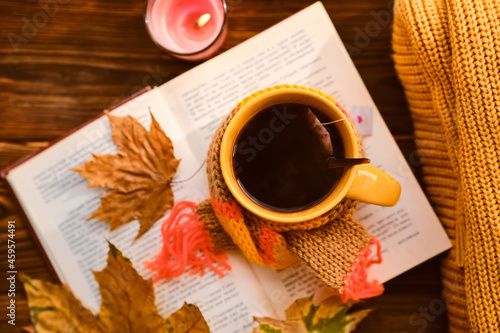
x: 362, y: 117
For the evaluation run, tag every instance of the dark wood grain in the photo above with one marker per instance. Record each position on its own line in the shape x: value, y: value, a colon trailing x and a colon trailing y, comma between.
x: 91, y: 54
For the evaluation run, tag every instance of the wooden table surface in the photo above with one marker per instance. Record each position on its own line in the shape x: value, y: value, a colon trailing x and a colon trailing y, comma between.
x: 83, y: 56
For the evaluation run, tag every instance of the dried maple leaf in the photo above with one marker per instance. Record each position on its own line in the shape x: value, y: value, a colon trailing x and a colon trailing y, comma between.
x: 187, y: 319
x: 330, y: 316
x: 127, y: 305
x: 139, y: 175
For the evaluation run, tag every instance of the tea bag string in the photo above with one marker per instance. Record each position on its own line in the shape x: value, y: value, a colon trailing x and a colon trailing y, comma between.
x: 333, y: 121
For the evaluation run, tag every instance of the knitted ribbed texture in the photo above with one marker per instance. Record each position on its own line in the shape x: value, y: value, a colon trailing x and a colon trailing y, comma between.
x: 334, y: 246
x: 220, y: 238
x: 447, y: 56
x: 327, y: 250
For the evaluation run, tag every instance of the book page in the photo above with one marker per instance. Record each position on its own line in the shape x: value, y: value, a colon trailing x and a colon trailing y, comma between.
x: 306, y: 50
x: 58, y: 202
x: 285, y: 286
x: 201, y: 97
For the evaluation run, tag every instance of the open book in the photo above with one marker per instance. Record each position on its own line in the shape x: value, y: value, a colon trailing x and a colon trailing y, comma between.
x: 305, y: 50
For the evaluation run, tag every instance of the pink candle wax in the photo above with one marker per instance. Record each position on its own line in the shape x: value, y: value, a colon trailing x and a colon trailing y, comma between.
x: 183, y: 28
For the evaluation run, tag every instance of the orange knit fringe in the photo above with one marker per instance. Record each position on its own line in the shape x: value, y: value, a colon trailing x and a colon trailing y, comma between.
x: 186, y: 243
x: 357, y: 286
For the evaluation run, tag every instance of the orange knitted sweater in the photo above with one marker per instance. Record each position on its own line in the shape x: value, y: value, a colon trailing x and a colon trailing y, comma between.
x: 447, y: 55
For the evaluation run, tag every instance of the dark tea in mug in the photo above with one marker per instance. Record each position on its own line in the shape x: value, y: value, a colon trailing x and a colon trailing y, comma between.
x: 280, y: 157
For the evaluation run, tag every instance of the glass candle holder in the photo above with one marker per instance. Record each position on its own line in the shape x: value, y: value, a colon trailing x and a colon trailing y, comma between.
x: 187, y: 29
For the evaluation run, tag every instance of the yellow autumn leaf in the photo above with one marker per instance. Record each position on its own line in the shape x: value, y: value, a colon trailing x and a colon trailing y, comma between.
x: 54, y: 308
x: 303, y: 316
x: 127, y: 304
x: 270, y: 325
x: 139, y: 175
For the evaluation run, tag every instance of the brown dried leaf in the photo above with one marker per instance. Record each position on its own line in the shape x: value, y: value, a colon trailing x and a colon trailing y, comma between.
x: 127, y: 300
x: 187, y: 319
x: 139, y: 175
x: 303, y: 316
x: 128, y: 304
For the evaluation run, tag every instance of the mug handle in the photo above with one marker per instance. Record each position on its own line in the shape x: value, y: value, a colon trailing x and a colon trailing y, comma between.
x: 372, y: 185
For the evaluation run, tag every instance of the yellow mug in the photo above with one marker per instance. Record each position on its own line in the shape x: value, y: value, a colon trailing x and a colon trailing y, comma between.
x: 363, y: 182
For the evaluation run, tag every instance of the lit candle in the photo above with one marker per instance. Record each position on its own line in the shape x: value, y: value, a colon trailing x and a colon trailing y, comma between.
x: 187, y: 29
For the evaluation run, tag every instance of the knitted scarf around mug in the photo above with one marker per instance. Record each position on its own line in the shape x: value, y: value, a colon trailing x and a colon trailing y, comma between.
x: 335, y: 247
x: 447, y: 55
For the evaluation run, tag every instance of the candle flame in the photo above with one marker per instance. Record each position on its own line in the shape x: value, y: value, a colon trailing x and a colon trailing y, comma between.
x: 203, y: 20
